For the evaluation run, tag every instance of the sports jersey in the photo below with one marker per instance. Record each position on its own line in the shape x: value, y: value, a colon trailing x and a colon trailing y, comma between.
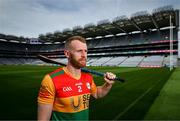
x: 69, y: 95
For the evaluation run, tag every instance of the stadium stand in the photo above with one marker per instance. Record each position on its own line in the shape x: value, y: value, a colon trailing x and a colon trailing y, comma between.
x: 115, y: 61
x: 142, y: 40
x: 92, y: 60
x: 166, y: 60
x: 132, y: 61
x: 155, y: 61
x: 100, y: 61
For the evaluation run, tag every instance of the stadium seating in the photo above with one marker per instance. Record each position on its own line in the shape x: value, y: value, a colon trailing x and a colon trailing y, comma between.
x: 132, y: 61
x: 92, y: 61
x: 115, y: 61
x: 156, y: 60
x: 146, y: 49
x: 166, y: 61
x: 101, y: 61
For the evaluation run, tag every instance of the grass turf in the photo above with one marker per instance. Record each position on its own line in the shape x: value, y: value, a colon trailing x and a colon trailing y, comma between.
x: 130, y: 100
x: 19, y: 88
x: 166, y: 106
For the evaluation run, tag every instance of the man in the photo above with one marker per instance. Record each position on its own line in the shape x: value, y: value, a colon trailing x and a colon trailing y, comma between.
x: 65, y: 92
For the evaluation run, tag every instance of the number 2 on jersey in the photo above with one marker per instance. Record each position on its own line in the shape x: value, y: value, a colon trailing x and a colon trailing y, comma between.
x: 79, y: 89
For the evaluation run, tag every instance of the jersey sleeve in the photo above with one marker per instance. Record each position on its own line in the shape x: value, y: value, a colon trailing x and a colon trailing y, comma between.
x: 47, y: 91
x: 93, y: 87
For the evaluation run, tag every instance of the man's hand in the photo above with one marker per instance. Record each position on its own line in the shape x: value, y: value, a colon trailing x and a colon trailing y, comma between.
x: 105, y: 88
x: 109, y: 77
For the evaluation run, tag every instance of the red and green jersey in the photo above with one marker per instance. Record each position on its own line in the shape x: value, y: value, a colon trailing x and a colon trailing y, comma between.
x: 69, y: 95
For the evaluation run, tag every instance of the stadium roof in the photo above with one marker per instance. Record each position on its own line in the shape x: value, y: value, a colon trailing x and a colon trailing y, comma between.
x: 138, y: 21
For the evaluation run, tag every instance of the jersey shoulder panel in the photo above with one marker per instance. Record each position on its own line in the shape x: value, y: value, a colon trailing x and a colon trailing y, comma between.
x: 57, y: 72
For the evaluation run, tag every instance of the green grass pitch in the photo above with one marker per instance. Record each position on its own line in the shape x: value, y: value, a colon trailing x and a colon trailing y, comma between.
x: 167, y: 105
x: 126, y: 101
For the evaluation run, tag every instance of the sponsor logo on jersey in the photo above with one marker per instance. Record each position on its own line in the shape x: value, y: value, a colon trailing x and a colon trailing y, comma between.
x: 86, y: 98
x: 67, y: 89
x: 76, y: 102
x: 83, y: 100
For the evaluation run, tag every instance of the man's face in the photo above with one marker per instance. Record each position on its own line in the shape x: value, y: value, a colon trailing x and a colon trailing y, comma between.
x: 78, y: 54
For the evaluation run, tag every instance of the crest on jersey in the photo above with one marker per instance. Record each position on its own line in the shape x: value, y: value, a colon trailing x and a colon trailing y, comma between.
x: 88, y: 85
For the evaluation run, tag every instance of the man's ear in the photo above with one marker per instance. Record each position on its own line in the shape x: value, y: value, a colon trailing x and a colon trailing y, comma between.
x: 66, y: 53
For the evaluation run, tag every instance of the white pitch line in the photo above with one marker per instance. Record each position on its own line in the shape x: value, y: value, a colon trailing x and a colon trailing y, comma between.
x: 134, y: 102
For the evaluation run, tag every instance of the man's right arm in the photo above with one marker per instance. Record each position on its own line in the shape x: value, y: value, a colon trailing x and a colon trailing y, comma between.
x: 45, y: 99
x: 44, y: 112
x: 104, y: 89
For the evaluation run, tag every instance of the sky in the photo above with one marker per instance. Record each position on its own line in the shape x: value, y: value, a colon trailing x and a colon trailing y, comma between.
x: 30, y: 18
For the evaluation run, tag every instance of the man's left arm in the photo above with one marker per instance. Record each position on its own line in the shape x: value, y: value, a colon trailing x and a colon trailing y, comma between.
x: 106, y: 87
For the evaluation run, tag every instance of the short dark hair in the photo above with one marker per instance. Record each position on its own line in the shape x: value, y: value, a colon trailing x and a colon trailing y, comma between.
x: 69, y: 40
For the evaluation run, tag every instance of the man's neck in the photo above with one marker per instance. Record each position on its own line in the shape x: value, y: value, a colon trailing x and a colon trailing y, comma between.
x: 73, y: 71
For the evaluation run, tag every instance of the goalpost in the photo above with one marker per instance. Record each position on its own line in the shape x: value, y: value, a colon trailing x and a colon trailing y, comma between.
x: 171, y: 44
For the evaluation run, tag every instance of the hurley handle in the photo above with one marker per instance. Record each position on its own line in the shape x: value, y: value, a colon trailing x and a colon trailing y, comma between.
x: 100, y: 74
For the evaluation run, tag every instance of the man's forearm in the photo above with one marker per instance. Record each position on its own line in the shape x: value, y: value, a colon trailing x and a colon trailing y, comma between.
x: 103, y: 90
